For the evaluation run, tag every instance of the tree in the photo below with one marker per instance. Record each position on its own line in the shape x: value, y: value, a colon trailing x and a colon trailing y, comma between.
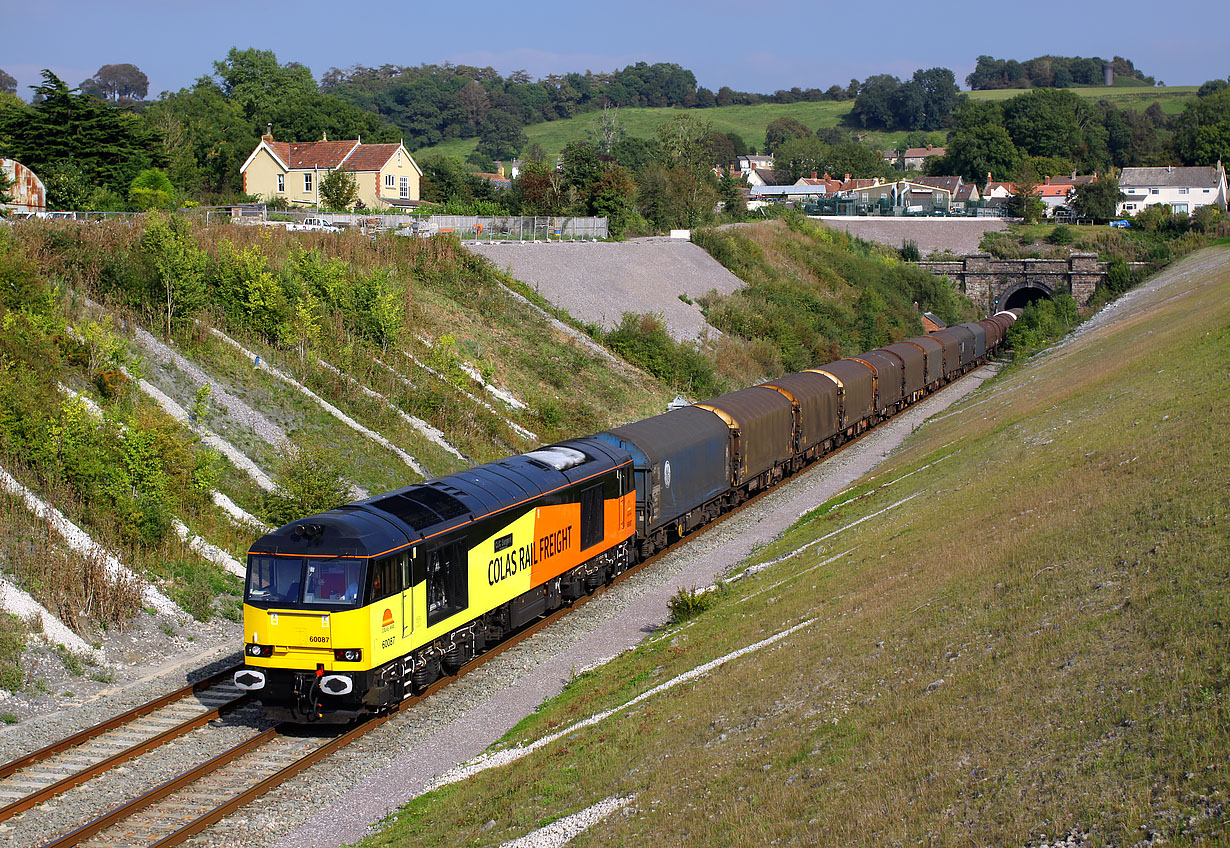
x: 981, y: 150
x: 501, y: 136
x: 1056, y: 122
x: 1202, y: 131
x: 1025, y: 203
x: 940, y: 95
x: 339, y: 189
x: 118, y: 83
x: 1099, y: 199
x: 178, y: 266
x: 7, y: 82
x: 874, y: 105
x: 6, y: 186
x: 151, y: 189
x: 781, y: 130
x: 107, y: 146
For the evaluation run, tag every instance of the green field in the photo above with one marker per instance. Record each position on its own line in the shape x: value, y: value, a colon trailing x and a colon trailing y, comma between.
x: 750, y: 121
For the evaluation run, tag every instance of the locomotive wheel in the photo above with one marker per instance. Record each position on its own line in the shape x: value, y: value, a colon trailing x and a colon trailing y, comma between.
x: 458, y: 656
x: 426, y: 675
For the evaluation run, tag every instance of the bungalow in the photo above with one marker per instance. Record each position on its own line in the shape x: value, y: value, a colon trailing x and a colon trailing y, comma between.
x: 1184, y: 189
x: 387, y: 174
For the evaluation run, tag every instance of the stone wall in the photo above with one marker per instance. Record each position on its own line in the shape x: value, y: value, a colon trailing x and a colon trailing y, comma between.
x: 985, y: 280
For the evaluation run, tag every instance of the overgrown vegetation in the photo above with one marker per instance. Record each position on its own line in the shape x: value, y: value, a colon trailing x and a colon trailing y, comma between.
x: 12, y: 642
x: 1042, y: 323
x: 815, y: 294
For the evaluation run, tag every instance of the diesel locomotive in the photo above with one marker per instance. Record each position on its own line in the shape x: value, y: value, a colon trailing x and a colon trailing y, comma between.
x: 349, y: 611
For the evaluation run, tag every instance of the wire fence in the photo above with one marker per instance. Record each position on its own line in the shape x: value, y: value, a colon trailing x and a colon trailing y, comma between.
x: 470, y: 228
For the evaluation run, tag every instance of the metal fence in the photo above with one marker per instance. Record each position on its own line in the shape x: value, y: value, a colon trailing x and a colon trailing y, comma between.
x: 476, y: 228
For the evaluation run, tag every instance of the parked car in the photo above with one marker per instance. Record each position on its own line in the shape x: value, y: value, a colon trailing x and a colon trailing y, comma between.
x: 314, y: 225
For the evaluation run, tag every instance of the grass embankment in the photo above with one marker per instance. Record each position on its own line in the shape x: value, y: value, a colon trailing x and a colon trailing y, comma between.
x: 750, y: 122
x: 814, y: 294
x: 1032, y: 640
x: 126, y: 474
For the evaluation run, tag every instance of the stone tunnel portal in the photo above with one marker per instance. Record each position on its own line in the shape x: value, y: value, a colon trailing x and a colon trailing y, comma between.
x: 1022, y: 296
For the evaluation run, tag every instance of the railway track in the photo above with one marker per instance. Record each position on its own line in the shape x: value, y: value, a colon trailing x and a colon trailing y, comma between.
x: 177, y: 809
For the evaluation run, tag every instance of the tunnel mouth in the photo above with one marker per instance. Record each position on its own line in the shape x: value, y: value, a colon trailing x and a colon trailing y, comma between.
x: 1024, y: 296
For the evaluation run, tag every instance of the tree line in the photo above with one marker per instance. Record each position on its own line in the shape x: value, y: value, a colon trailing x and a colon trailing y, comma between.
x: 1051, y: 72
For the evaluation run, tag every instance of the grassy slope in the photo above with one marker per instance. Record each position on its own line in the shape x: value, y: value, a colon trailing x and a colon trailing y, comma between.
x: 568, y: 391
x: 750, y: 121
x: 1076, y: 621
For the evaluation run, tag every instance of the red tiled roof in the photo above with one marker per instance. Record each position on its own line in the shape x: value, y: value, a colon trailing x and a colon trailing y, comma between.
x: 371, y: 157
x: 1053, y: 190
x: 319, y: 154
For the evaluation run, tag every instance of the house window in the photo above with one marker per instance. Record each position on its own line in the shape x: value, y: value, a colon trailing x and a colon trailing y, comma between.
x: 1128, y: 206
x: 1179, y: 208
x: 1183, y: 191
x: 404, y: 188
x: 1154, y: 191
x: 281, y: 182
x: 389, y: 181
x: 307, y: 182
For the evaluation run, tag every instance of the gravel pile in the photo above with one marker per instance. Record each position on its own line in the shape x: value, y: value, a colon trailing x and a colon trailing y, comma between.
x: 596, y: 282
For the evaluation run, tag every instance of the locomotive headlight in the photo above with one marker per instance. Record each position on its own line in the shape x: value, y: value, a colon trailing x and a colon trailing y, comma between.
x: 348, y: 655
x: 255, y: 650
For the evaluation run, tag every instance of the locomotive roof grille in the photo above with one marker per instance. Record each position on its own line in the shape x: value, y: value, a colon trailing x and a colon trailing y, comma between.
x: 422, y: 507
x: 558, y: 457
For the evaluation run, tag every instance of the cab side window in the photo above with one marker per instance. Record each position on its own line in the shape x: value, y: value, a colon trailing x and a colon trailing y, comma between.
x: 387, y: 577
x: 447, y: 587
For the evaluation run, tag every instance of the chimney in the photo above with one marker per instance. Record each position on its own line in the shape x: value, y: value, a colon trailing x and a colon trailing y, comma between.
x: 499, y: 168
x: 1169, y: 169
x: 813, y: 175
x: 1046, y: 181
x: 268, y: 136
x: 847, y: 178
x: 324, y: 136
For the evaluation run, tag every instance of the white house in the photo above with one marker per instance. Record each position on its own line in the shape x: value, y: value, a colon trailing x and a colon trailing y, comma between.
x: 1184, y: 189
x: 750, y: 163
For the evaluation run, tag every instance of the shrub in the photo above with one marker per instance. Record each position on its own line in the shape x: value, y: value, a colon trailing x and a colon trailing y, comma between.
x: 686, y: 604
x: 644, y: 341
x: 12, y: 643
x: 1062, y: 234
x: 910, y: 251
x: 309, y: 481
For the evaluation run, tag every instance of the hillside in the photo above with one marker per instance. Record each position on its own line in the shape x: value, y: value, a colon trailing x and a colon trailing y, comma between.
x: 302, y: 371
x: 750, y: 122
x: 1012, y: 633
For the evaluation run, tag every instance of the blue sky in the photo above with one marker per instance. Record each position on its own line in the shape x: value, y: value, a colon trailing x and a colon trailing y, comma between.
x: 746, y: 45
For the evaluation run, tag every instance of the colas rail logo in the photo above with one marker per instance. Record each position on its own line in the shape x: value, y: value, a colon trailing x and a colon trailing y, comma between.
x: 387, y: 621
